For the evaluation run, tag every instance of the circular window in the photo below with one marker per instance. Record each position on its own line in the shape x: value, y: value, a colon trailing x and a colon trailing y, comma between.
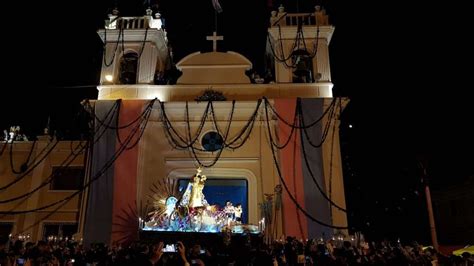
x: 212, y: 141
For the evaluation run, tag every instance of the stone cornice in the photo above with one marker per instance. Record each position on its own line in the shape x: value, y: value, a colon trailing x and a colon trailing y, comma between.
x: 241, y: 92
x: 325, y: 32
x: 134, y: 35
x: 344, y: 102
x: 175, y: 111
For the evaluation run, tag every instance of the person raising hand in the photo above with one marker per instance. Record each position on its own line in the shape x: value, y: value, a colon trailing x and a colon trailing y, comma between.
x: 156, y: 253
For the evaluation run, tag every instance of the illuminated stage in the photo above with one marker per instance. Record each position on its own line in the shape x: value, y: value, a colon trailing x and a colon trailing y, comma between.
x: 234, y: 229
x: 186, y: 210
x: 181, y: 212
x: 204, y: 239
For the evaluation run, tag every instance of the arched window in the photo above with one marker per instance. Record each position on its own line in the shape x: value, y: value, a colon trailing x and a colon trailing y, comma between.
x: 128, y: 68
x: 303, y: 66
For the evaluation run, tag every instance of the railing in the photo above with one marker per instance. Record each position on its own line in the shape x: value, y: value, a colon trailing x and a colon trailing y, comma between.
x: 299, y: 19
x: 127, y: 23
x: 283, y: 19
x: 132, y: 23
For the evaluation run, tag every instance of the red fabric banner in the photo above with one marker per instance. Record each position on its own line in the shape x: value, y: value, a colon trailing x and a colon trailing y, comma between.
x: 125, y: 213
x: 294, y: 221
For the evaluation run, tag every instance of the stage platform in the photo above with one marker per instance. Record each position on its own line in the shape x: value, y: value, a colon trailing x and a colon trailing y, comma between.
x: 191, y: 238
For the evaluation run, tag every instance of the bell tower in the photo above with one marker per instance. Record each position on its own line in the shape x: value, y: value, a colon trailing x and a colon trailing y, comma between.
x: 298, y: 44
x: 135, y: 49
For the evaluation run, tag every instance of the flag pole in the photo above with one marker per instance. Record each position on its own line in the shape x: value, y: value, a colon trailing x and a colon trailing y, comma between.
x: 215, y: 21
x: 429, y: 206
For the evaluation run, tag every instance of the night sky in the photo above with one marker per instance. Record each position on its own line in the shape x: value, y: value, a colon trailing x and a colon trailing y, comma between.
x: 404, y: 67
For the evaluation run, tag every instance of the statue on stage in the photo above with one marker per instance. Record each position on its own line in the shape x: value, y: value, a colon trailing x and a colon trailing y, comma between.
x: 197, y: 196
x: 193, y: 196
x: 192, y: 212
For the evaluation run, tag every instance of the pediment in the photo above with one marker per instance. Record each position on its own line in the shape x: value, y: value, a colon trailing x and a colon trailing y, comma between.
x: 214, y: 68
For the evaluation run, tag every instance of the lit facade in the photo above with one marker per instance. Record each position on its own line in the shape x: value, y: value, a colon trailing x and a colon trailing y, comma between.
x: 136, y: 63
x: 46, y: 164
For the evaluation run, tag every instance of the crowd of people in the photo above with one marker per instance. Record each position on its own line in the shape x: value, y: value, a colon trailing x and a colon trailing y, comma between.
x: 243, y: 250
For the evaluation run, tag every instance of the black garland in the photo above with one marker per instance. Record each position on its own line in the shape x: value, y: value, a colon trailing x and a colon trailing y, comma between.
x: 116, y: 47
x: 69, y: 159
x: 282, y: 59
x: 275, y: 161
x: 298, y: 40
x: 24, y: 166
x: 315, y: 44
x: 64, y: 164
x: 248, y: 125
x: 120, y: 38
x: 176, y: 140
x: 298, y: 216
x: 211, y: 95
x: 331, y: 105
x: 247, y: 129
x: 88, y: 164
x: 170, y: 130
x: 332, y: 153
x: 118, y: 127
x: 44, y: 218
x: 302, y: 129
x: 143, y: 44
x: 97, y: 176
x: 116, y: 107
x: 295, y: 125
x: 301, y: 124
x: 308, y: 166
x: 219, y: 152
x: 24, y: 174
x: 325, y: 131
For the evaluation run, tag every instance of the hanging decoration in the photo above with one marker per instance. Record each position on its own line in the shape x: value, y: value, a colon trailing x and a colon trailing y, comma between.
x: 211, y: 95
x: 266, y: 209
x: 195, y: 214
x: 278, y: 190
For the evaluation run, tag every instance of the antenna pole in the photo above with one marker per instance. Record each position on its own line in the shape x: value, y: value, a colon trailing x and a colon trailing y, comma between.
x: 215, y: 21
x: 429, y: 206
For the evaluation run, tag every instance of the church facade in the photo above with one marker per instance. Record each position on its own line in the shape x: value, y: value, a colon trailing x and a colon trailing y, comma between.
x: 280, y: 136
x: 269, y: 144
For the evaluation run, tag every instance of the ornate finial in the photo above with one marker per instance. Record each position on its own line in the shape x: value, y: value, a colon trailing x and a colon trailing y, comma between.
x: 148, y: 11
x: 321, y: 17
x: 268, y: 196
x: 273, y: 18
x: 111, y: 23
x: 281, y: 9
x: 278, y: 189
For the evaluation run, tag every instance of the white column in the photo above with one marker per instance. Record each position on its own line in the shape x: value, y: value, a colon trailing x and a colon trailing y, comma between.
x: 335, y: 180
x: 322, y: 61
x: 111, y: 69
x: 147, y: 64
